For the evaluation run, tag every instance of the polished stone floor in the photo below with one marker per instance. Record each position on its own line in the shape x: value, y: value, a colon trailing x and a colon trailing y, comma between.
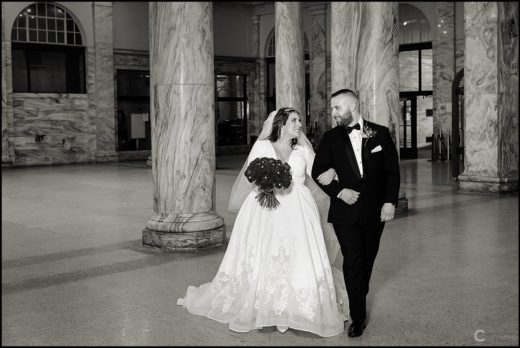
x: 74, y: 272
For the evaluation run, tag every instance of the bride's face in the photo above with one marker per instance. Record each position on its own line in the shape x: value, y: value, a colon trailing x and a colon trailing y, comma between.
x: 293, y: 126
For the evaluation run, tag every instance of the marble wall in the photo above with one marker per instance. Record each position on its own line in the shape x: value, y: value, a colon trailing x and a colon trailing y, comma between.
x: 491, y: 97
x: 61, y: 122
x: 47, y: 128
x: 443, y: 64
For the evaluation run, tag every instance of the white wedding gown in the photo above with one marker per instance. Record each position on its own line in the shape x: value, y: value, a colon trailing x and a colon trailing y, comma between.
x: 276, y: 271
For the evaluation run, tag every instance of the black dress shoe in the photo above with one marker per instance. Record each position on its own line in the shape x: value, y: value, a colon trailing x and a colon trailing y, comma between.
x: 356, y: 328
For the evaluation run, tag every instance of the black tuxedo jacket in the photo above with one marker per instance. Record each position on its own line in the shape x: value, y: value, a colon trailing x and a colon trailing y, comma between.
x: 380, y: 181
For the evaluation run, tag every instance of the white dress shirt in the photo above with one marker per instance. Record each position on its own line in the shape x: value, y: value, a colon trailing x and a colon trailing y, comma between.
x: 357, y: 143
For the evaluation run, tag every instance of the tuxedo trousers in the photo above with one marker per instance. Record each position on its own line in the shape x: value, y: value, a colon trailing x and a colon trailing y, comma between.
x: 359, y: 244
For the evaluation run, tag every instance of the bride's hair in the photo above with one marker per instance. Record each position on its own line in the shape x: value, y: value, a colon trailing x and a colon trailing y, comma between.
x: 280, y: 119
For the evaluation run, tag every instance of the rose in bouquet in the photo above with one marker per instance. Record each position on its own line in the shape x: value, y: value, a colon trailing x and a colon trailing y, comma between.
x: 268, y: 173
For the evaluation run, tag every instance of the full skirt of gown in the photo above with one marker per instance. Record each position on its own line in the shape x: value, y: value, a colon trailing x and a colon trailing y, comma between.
x: 276, y: 271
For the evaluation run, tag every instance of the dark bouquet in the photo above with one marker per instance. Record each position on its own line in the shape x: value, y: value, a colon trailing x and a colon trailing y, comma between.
x: 268, y: 173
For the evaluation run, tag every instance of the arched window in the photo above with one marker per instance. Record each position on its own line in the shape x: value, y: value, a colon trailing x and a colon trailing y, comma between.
x: 271, y: 46
x: 46, y: 23
x: 47, y: 51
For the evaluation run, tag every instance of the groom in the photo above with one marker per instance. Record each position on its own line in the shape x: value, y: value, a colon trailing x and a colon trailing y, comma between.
x: 365, y: 160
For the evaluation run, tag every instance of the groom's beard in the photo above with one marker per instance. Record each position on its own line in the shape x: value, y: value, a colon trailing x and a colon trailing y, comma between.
x: 344, y: 119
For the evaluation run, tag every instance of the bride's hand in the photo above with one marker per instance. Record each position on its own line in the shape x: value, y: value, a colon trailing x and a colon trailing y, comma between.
x: 326, y: 178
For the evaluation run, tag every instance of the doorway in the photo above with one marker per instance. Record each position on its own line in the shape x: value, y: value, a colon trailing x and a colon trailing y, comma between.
x: 408, y: 127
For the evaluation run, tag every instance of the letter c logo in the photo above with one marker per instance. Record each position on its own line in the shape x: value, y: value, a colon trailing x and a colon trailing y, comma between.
x: 476, y: 335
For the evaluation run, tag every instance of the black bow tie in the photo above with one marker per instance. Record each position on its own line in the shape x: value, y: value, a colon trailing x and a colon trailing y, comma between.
x: 349, y: 128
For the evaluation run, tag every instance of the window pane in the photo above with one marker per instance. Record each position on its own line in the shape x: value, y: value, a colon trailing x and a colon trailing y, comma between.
x: 76, y: 29
x: 13, y: 35
x: 125, y: 110
x: 48, y: 72
x: 271, y: 81
x: 70, y: 39
x: 70, y: 25
x: 41, y: 10
x: 426, y: 70
x: 231, y: 86
x: 19, y: 71
x: 133, y: 83
x: 59, y: 13
x: 52, y: 36
x: 75, y: 75
x: 409, y: 71
x: 60, y: 38
x: 78, y: 39
x: 51, y: 24
x: 230, y: 118
x: 51, y: 11
x: 32, y: 22
x: 41, y: 23
x: 32, y: 9
x: 22, y: 35
x: 42, y: 36
x: 59, y: 24
x: 32, y: 35
x: 21, y: 20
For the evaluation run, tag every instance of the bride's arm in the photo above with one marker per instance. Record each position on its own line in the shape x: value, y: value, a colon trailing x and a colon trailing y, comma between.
x: 324, y: 178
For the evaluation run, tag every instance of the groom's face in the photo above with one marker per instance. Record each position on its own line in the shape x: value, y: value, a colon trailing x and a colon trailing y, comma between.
x: 341, y: 109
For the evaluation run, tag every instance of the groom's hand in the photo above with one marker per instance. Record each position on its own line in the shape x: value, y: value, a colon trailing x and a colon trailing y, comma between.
x: 326, y: 178
x: 387, y: 212
x: 348, y: 196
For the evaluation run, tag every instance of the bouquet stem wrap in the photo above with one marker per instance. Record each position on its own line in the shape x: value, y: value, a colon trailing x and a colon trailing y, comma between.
x: 267, y: 199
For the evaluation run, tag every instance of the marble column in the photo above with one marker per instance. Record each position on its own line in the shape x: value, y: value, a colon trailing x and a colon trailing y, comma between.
x: 104, y: 59
x: 183, y: 129
x: 290, y: 68
x: 365, y: 58
x: 255, y: 117
x: 491, y: 97
x: 443, y: 60
x: 318, y: 69
x: 8, y: 158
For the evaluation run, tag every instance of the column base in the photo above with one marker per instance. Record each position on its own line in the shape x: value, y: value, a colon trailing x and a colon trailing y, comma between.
x: 488, y: 184
x: 184, y: 232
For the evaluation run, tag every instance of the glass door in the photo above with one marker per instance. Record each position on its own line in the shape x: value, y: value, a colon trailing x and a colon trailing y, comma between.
x: 408, y: 127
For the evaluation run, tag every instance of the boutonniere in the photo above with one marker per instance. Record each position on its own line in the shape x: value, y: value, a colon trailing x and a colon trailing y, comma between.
x: 368, y: 132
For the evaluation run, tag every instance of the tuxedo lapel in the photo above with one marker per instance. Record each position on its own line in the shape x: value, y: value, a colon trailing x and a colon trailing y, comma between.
x: 366, y: 141
x: 350, y: 153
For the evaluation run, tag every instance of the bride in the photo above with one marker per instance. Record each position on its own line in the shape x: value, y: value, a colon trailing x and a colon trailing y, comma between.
x: 277, y: 267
